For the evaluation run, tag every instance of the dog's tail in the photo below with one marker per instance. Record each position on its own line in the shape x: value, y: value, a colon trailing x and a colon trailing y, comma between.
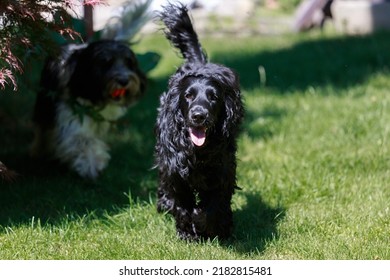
x: 132, y: 16
x: 180, y: 32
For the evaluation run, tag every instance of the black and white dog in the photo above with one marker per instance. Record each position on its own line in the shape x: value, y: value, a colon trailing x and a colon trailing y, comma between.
x: 197, y: 127
x: 83, y: 91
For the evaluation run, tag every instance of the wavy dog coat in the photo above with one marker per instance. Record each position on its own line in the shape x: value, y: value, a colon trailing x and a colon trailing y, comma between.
x: 197, y: 127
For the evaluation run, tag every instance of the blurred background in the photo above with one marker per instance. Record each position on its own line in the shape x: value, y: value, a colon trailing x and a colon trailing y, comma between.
x: 248, y: 17
x: 314, y: 155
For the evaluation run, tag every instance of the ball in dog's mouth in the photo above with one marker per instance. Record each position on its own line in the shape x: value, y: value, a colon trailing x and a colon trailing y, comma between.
x: 117, y: 93
x: 198, y: 135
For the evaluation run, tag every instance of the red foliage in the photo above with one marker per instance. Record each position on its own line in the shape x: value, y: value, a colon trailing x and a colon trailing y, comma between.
x: 24, y: 24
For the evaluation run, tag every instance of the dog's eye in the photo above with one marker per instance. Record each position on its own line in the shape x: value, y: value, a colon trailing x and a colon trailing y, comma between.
x: 106, y: 62
x: 211, y: 95
x: 129, y: 61
x: 189, y: 95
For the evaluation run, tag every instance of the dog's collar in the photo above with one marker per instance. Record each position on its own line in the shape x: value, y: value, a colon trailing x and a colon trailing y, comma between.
x: 82, y: 108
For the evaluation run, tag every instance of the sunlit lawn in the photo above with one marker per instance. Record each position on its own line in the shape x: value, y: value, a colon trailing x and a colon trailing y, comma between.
x: 314, y: 162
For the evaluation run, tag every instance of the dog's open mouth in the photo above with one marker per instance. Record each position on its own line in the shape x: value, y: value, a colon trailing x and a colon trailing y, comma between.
x: 198, y: 135
x: 118, y: 93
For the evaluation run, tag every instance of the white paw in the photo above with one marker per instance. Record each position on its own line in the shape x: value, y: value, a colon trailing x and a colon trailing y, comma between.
x: 90, y: 162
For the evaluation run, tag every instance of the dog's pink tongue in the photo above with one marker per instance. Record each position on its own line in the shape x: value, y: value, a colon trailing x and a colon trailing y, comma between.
x: 198, y: 135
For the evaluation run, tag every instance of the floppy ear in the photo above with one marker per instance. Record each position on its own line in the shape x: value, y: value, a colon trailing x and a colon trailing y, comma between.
x: 173, y: 147
x: 234, y: 112
x: 55, y: 77
x: 234, y: 109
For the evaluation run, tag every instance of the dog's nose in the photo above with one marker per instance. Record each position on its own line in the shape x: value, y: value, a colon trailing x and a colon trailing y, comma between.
x: 122, y: 81
x: 198, y: 115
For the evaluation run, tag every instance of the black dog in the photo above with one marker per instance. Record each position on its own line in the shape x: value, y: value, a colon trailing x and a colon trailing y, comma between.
x: 7, y: 174
x: 83, y: 91
x: 197, y: 126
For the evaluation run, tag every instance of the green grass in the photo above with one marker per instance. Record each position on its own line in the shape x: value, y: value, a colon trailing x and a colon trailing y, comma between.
x: 314, y: 163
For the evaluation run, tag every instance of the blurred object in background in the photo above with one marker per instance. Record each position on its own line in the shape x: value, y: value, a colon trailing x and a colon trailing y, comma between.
x: 348, y: 16
x: 312, y: 13
x: 361, y: 16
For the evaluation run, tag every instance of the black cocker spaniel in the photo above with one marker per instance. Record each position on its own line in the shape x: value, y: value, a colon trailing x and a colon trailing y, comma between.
x: 197, y: 127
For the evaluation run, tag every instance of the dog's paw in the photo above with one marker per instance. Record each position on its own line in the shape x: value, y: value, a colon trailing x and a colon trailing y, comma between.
x: 187, y: 235
x: 164, y: 204
x: 212, y: 224
x: 199, y: 219
x: 90, y: 162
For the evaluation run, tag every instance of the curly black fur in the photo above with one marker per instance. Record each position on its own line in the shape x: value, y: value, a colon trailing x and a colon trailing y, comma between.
x: 197, y: 126
x: 7, y: 174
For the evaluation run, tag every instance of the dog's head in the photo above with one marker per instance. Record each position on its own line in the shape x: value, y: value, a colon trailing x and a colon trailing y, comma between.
x: 209, y: 100
x: 105, y: 71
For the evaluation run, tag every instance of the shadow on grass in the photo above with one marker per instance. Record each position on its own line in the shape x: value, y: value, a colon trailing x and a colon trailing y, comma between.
x: 49, y: 191
x: 263, y: 124
x: 341, y: 62
x: 255, y: 226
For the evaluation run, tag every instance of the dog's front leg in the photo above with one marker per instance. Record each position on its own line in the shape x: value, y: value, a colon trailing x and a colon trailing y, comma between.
x: 86, y: 155
x: 213, y: 217
x: 184, y: 205
x: 78, y: 146
x: 92, y: 158
x: 179, y: 200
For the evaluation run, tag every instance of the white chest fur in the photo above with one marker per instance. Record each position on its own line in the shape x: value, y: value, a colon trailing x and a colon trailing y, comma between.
x: 79, y: 138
